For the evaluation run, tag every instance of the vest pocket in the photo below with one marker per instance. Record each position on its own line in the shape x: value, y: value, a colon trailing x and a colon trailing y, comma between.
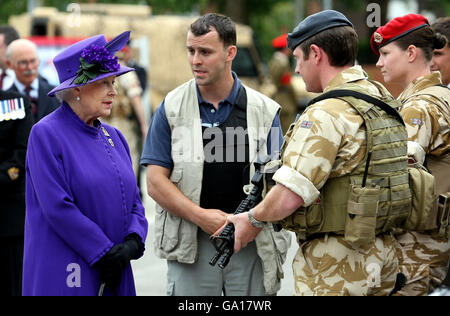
x: 423, y: 215
x: 361, y: 219
x: 167, y: 225
x: 166, y: 229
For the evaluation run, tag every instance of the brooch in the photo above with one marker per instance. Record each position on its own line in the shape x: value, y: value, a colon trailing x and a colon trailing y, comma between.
x: 107, y: 135
x: 13, y: 173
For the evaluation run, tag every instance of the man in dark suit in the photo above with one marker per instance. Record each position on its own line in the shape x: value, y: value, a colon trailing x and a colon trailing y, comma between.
x: 22, y: 57
x: 7, y: 35
x: 15, y: 125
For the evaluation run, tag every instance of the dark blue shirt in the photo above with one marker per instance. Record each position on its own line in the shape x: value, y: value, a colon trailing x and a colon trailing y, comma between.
x: 158, y: 144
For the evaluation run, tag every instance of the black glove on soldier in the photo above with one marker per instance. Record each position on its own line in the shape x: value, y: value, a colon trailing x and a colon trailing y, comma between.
x: 112, y: 264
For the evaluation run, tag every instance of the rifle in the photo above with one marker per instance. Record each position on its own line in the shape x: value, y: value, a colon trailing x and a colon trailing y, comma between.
x: 224, y: 243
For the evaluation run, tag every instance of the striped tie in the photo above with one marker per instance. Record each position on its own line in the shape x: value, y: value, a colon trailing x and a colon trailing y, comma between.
x: 32, y: 100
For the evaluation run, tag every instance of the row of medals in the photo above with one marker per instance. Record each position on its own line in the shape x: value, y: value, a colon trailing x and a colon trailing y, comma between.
x: 12, y: 109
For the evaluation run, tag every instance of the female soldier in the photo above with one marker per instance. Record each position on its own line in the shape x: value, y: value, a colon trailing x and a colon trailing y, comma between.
x: 405, y: 46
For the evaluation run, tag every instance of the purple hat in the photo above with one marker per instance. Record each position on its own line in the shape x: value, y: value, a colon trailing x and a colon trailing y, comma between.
x: 88, y: 61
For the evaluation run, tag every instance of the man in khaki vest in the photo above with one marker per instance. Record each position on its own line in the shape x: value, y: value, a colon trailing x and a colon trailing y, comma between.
x: 343, y: 249
x: 200, y: 146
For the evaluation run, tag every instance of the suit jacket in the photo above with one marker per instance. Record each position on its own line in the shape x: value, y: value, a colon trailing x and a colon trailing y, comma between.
x: 13, y: 146
x: 46, y: 104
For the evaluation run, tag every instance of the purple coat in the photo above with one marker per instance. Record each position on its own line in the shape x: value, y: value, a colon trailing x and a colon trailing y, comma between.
x: 82, y: 198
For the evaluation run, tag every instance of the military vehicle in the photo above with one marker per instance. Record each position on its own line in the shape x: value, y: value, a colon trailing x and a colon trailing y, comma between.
x: 159, y: 41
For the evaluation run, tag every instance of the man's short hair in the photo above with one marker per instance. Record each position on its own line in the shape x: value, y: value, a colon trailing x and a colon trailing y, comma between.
x: 442, y: 25
x: 221, y: 23
x: 10, y: 34
x: 339, y: 43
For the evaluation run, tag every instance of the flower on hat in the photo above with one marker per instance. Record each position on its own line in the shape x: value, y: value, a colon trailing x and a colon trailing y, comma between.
x: 94, y: 61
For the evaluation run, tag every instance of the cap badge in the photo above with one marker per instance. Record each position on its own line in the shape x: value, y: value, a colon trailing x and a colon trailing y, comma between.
x: 377, y: 38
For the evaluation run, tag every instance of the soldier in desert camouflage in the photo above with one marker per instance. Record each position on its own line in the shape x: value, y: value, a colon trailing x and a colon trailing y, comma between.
x: 280, y: 73
x: 323, y: 159
x: 128, y: 115
x: 405, y: 46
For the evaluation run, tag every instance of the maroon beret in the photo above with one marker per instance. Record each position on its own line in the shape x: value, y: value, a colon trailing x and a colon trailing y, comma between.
x: 395, y: 29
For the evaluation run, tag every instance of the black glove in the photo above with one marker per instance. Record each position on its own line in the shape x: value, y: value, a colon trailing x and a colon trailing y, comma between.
x: 134, y: 245
x: 112, y: 264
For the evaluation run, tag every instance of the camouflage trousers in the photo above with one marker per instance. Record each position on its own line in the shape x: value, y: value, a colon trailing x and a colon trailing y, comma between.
x: 423, y: 259
x: 331, y: 266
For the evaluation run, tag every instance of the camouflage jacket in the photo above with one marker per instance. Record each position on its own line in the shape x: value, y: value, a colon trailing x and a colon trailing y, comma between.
x: 327, y: 141
x: 427, y: 119
x: 280, y: 70
x: 127, y: 86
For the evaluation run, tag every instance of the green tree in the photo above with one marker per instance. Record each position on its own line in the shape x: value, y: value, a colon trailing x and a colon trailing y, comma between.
x: 268, y: 18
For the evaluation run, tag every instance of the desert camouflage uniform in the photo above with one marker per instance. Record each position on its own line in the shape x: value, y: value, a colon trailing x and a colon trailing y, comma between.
x: 423, y: 257
x: 122, y: 114
x: 329, y: 141
x: 427, y: 122
x: 281, y: 75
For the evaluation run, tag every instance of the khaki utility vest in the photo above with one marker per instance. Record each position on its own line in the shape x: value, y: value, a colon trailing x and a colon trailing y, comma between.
x: 346, y: 207
x: 176, y: 238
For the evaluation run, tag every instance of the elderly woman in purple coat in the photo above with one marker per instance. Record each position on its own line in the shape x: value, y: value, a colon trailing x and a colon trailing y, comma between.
x: 85, y: 220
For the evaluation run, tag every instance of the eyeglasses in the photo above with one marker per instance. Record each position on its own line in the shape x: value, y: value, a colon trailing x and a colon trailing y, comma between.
x: 25, y: 63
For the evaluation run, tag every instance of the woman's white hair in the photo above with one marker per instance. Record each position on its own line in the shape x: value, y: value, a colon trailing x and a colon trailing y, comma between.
x: 64, y: 95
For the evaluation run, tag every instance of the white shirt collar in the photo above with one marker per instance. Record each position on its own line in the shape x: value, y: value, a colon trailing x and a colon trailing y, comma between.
x: 34, y: 87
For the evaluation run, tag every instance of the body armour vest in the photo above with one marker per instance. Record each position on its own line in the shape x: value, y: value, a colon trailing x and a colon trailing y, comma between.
x: 226, y: 165
x: 375, y: 197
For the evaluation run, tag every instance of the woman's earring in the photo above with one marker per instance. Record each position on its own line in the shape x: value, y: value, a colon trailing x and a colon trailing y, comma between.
x: 78, y: 98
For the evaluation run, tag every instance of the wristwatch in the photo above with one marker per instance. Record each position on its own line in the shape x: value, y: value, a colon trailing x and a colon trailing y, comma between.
x: 254, y: 221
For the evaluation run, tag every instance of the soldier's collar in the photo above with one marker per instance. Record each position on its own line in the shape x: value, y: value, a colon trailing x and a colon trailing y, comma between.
x: 351, y: 74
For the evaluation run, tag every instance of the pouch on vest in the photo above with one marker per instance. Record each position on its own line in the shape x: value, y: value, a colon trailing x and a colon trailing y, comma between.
x: 444, y: 215
x: 423, y: 215
x: 362, y: 209
x: 269, y: 170
x: 306, y: 220
x: 167, y: 225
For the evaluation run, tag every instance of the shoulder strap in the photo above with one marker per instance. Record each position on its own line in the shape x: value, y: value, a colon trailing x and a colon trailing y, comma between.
x: 443, y: 86
x: 369, y: 99
x: 439, y: 93
x: 434, y: 91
